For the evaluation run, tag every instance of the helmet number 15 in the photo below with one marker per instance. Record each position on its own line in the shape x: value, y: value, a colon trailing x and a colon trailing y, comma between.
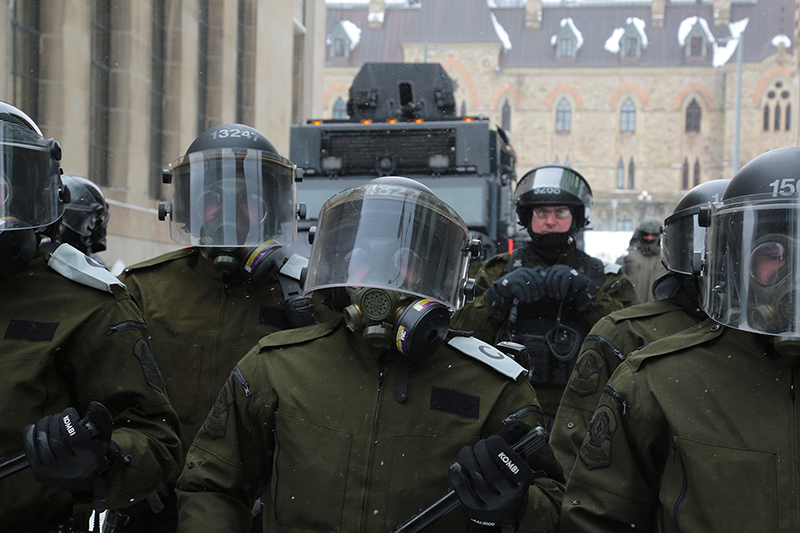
x: 784, y: 187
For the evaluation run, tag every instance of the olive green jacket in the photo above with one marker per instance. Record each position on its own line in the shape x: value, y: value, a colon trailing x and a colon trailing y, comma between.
x: 608, y: 344
x: 311, y: 415
x: 615, y: 293
x: 200, y: 326
x: 65, y: 344
x: 696, y: 432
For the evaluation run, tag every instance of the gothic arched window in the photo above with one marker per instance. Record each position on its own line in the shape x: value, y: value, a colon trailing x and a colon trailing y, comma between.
x: 563, y: 116
x: 506, y: 121
x: 627, y: 117
x: 693, y: 114
x: 340, y: 109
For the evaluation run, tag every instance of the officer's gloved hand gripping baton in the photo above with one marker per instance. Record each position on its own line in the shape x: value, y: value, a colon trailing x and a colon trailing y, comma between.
x: 526, y: 446
x: 20, y: 461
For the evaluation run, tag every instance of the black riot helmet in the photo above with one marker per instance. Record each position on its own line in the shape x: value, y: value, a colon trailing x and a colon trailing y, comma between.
x: 401, y: 254
x: 233, y: 192
x: 683, y: 239
x: 752, y: 270
x: 85, y: 216
x: 31, y: 194
x: 553, y: 185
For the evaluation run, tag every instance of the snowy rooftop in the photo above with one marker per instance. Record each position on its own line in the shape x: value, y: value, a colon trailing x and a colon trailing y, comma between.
x: 598, y: 27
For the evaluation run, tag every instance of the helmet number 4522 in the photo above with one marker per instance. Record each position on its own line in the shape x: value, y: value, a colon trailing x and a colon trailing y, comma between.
x: 784, y: 187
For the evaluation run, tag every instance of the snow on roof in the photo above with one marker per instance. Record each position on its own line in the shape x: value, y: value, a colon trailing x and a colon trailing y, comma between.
x: 612, y: 43
x: 724, y: 51
x: 781, y: 39
x: 578, y: 34
x: 686, y: 26
x: 353, y: 32
x: 640, y: 26
x: 377, y: 16
x: 501, y: 33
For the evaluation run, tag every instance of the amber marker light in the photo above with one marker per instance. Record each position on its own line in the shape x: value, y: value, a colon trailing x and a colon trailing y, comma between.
x: 366, y: 121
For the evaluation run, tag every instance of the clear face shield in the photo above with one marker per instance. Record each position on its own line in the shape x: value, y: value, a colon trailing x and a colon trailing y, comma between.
x: 679, y: 253
x: 230, y: 197
x: 392, y: 238
x: 29, y: 179
x: 753, y: 270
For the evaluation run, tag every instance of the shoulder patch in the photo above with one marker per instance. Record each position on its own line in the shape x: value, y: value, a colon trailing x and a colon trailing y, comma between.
x: 163, y: 258
x: 596, y: 449
x: 585, y: 378
x: 298, y: 335
x: 77, y: 266
x: 611, y: 268
x: 691, y: 336
x: 488, y: 355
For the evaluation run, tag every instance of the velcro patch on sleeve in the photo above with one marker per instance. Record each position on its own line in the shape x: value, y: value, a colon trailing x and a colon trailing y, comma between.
x: 30, y: 331
x: 596, y: 449
x: 455, y: 402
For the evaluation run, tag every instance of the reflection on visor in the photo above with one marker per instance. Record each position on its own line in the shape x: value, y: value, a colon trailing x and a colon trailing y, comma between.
x: 250, y: 205
x: 3, y: 192
x: 766, y: 262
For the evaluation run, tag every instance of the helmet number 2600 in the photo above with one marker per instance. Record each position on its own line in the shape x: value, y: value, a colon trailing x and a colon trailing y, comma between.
x: 784, y: 187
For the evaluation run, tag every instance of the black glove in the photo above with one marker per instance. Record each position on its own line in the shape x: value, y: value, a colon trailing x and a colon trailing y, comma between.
x: 69, y: 452
x: 491, y: 481
x: 523, y: 284
x: 561, y: 282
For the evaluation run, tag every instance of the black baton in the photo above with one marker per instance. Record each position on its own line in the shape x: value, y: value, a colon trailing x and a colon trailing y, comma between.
x: 526, y: 446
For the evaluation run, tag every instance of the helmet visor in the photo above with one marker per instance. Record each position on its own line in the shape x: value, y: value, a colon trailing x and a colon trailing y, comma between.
x: 29, y: 178
x: 753, y: 272
x: 232, y: 197
x: 682, y: 239
x: 394, y: 238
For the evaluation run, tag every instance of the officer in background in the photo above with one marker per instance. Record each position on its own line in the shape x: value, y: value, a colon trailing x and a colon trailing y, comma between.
x: 81, y: 394
x: 233, y: 204
x: 547, y: 294
x: 83, y: 225
x: 698, y: 431
x: 642, y: 263
x: 676, y: 307
x: 353, y: 423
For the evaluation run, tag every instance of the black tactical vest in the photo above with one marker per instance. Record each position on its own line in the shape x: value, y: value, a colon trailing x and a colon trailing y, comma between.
x: 553, y: 331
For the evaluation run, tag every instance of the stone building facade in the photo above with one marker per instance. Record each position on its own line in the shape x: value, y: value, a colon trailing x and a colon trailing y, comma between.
x: 639, y: 96
x: 126, y: 86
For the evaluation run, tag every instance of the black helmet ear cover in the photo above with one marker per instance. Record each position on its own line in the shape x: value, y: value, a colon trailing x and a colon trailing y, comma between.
x: 16, y: 250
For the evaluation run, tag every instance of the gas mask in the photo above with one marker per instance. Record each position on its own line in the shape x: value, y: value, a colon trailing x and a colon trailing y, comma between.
x: 773, y: 293
x: 17, y: 246
x: 416, y: 327
x: 256, y: 264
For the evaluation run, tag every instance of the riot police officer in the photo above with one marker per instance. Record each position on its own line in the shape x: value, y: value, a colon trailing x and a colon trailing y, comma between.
x: 85, y: 217
x: 676, y: 307
x: 233, y: 202
x: 547, y: 294
x: 81, y: 394
x: 353, y: 424
x: 642, y: 263
x: 697, y: 431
